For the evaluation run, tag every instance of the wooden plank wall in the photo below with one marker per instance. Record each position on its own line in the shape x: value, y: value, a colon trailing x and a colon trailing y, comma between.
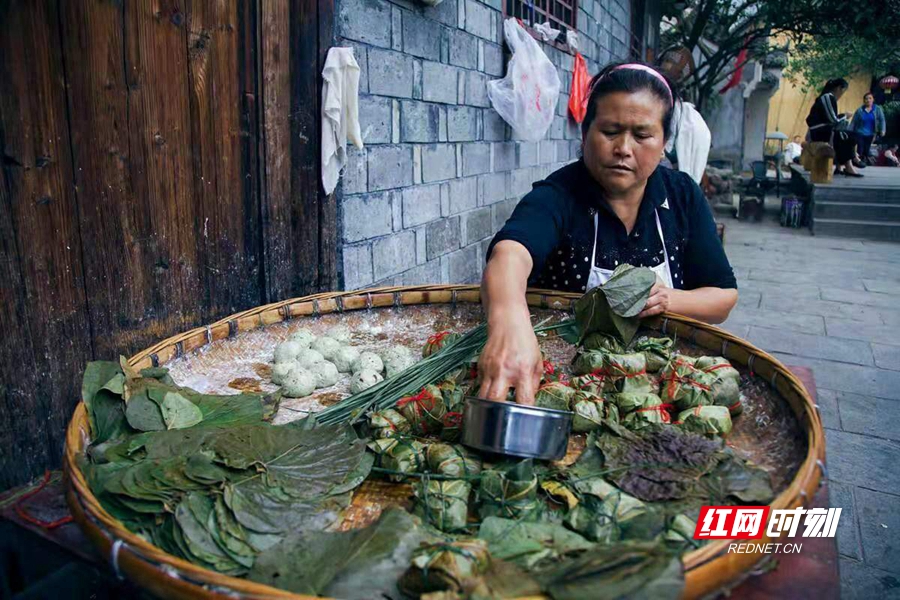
x: 159, y: 171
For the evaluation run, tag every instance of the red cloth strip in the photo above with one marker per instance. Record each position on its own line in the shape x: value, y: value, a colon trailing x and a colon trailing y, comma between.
x: 21, y: 512
x: 438, y: 337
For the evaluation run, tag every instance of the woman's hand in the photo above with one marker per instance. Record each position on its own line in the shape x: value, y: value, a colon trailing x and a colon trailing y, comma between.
x: 660, y: 300
x: 511, y: 358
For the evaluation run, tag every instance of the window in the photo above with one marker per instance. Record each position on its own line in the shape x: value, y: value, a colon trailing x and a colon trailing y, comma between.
x: 560, y: 13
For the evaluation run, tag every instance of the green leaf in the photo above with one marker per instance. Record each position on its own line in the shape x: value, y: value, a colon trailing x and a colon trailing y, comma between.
x: 628, y: 289
x: 178, y: 412
x: 101, y: 390
x: 359, y: 564
x: 526, y: 544
x: 612, y: 308
x: 310, y: 462
x: 144, y: 414
x: 638, y: 571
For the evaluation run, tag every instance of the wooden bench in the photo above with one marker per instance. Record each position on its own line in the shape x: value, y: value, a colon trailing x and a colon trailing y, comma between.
x: 818, y: 159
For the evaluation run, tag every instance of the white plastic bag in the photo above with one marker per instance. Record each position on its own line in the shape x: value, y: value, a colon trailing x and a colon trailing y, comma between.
x: 526, y: 98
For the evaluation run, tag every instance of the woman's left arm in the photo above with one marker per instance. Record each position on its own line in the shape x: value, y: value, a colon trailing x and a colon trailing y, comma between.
x: 707, y: 304
x: 709, y: 286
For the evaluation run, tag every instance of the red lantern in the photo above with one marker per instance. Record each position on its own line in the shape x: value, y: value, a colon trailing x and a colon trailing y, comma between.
x: 889, y: 82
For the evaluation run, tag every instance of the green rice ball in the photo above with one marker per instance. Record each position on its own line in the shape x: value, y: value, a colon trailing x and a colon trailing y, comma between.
x: 326, y: 346
x: 340, y: 333
x: 326, y: 374
x: 280, y: 371
x: 399, y: 364
x: 344, y: 359
x: 287, y: 351
x: 303, y: 336
x: 396, y: 353
x: 308, y: 358
x: 364, y: 379
x: 368, y: 361
x: 298, y: 383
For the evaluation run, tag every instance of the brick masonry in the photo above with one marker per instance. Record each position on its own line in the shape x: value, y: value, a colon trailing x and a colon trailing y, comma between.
x: 441, y: 172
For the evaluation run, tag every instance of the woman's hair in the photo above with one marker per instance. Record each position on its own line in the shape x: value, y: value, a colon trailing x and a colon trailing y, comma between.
x: 835, y: 84
x: 614, y: 78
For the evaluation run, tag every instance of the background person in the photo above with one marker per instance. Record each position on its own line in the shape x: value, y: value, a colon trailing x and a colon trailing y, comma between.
x: 868, y: 122
x: 829, y: 126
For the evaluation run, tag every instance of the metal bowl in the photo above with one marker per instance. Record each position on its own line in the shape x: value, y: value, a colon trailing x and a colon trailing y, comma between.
x: 515, y: 429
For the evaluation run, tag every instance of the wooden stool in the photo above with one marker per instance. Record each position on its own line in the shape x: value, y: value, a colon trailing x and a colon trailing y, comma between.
x: 818, y: 159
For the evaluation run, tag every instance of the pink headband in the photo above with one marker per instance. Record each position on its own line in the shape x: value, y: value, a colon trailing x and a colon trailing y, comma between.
x: 645, y: 69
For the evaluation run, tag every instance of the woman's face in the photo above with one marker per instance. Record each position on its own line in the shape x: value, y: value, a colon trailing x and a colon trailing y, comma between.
x: 869, y: 100
x: 839, y: 92
x: 624, y: 143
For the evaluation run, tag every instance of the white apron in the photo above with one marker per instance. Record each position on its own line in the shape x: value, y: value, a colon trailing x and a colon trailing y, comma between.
x: 600, y: 276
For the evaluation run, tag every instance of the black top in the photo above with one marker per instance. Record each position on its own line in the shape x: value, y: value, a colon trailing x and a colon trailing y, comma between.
x: 555, y: 222
x: 824, y: 112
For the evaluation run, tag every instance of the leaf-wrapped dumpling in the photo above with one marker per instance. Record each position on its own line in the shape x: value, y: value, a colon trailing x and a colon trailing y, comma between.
x: 388, y: 423
x: 452, y: 460
x: 684, y: 385
x: 424, y: 411
x: 509, y: 492
x: 603, y: 342
x: 657, y: 351
x: 444, y: 503
x: 445, y: 567
x: 591, y: 411
x: 555, y: 395
x: 437, y: 341
x: 726, y: 389
x: 706, y: 420
x: 401, y: 455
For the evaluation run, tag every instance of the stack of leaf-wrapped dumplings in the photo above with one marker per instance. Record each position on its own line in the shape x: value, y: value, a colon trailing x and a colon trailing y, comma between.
x: 645, y: 383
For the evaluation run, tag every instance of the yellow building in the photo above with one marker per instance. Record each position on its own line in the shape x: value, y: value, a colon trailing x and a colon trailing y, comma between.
x: 789, y: 106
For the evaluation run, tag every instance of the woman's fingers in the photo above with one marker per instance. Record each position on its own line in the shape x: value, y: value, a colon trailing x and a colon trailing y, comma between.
x: 525, y: 391
x: 495, y: 389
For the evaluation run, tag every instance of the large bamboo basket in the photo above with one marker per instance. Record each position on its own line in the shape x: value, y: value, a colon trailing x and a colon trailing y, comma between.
x: 708, y: 569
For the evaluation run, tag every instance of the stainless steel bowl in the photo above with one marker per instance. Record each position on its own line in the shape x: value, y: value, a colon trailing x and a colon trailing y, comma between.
x: 516, y: 429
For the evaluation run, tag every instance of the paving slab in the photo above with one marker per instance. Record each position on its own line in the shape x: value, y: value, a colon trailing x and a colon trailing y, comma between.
x: 863, y: 460
x: 828, y: 408
x: 813, y: 324
x: 887, y: 356
x: 862, y: 582
x: 812, y: 346
x: 868, y: 415
x: 841, y: 496
x: 883, y: 286
x: 857, y: 297
x: 870, y: 332
x: 879, y: 527
x: 857, y: 379
x: 825, y: 308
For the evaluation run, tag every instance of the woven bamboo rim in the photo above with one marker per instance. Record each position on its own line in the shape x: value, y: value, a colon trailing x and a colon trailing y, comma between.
x: 707, y: 570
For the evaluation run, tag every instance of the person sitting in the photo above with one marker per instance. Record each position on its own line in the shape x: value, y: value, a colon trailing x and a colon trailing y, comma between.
x: 793, y: 151
x: 868, y: 122
x: 829, y: 126
x: 888, y: 156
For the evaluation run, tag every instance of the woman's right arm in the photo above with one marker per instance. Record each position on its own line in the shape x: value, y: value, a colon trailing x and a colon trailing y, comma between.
x: 511, y: 357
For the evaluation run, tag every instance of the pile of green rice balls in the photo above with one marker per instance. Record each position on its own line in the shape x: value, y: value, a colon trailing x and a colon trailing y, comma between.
x: 305, y: 362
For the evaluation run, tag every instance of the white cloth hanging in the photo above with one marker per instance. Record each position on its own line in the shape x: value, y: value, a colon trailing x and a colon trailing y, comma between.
x: 691, y: 139
x: 340, y: 113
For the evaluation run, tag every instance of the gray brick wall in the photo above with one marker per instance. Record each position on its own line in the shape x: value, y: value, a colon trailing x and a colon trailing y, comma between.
x: 440, y: 172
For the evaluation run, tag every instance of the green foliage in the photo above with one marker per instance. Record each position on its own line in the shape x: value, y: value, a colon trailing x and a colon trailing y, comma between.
x: 718, y: 30
x: 815, y: 60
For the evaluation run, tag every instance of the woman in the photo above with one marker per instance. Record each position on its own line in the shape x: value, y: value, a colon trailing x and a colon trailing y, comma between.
x: 826, y: 125
x: 615, y: 205
x: 868, y: 121
x: 888, y: 156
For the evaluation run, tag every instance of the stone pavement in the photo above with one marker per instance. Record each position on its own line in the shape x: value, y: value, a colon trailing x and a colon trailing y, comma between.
x: 833, y: 305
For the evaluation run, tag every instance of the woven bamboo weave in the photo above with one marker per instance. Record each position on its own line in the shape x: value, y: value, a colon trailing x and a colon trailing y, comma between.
x: 707, y: 569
